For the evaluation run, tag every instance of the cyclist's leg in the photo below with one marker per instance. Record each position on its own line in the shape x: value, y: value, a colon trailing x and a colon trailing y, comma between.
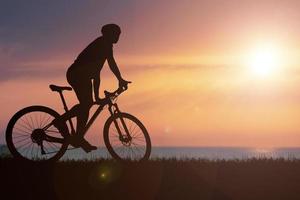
x: 74, y: 79
x: 84, y: 95
x: 82, y: 87
x: 70, y: 114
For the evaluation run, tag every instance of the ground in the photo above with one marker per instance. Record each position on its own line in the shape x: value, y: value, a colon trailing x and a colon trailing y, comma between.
x: 155, y: 179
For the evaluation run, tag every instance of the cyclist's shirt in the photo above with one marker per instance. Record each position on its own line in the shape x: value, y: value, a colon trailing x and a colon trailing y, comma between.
x: 92, y: 58
x: 95, y: 52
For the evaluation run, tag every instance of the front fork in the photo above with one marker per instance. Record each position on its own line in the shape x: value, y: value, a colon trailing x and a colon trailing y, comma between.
x: 114, y: 109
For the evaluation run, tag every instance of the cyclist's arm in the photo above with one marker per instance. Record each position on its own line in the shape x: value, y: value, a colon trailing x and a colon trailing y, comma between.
x: 96, y: 84
x: 114, y: 67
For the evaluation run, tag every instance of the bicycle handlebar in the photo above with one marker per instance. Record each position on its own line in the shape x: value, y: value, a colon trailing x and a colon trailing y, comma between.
x: 111, y: 95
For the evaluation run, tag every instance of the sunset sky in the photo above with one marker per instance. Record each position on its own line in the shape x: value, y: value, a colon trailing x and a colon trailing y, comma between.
x: 204, y: 72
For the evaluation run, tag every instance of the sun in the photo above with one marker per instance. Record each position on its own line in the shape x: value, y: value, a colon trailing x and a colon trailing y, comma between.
x: 264, y: 61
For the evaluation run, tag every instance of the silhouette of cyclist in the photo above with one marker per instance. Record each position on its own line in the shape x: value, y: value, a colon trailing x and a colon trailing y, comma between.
x: 84, y: 77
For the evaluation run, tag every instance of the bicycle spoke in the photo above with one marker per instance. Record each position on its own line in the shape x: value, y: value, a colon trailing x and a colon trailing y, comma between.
x: 130, y: 127
x: 29, y: 148
x: 23, y: 145
x: 22, y: 140
x: 116, y: 140
x: 39, y: 120
x: 134, y: 129
x: 46, y: 146
x: 141, y: 140
x: 114, y: 129
x: 32, y: 145
x: 138, y: 139
x: 20, y: 136
x: 129, y: 153
x: 37, y: 152
x: 42, y: 120
x: 134, y: 149
x: 28, y: 127
x: 136, y: 144
x: 51, y: 147
x: 29, y: 123
x: 132, y: 152
x: 54, y: 139
x: 54, y: 144
x: 122, y: 150
x: 47, y: 121
x: 136, y: 132
x: 32, y: 122
x: 23, y: 129
x: 137, y: 149
x: 116, y: 136
x: 52, y: 132
x: 36, y: 120
x: 26, y: 122
x: 142, y: 152
x: 22, y: 132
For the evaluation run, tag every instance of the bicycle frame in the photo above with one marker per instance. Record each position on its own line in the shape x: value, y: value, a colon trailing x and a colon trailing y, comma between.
x: 112, y: 107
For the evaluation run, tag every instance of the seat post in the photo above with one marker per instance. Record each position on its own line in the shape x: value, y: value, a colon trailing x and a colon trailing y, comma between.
x: 63, y: 101
x: 66, y: 109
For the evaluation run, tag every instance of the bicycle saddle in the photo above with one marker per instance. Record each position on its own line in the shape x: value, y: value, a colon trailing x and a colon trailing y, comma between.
x: 56, y: 88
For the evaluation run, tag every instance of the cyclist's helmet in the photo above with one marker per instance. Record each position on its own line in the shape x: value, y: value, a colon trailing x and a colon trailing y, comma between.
x: 110, y: 29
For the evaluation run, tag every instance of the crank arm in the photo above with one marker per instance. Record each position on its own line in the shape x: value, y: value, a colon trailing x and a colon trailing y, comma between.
x: 42, y: 149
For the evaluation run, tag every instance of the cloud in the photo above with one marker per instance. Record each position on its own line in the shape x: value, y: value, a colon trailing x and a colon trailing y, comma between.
x: 14, y: 66
x: 19, y: 73
x: 11, y: 70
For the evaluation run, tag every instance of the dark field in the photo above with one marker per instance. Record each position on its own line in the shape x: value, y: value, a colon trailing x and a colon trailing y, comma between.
x: 157, y: 179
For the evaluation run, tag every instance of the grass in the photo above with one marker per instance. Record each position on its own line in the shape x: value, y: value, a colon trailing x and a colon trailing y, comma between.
x: 155, y: 179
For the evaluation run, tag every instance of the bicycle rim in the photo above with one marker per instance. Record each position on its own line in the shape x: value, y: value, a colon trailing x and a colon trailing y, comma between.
x: 24, y: 135
x: 121, y: 148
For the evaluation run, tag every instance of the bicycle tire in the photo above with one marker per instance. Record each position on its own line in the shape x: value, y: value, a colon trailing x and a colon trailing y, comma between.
x: 12, y: 130
x: 110, y: 146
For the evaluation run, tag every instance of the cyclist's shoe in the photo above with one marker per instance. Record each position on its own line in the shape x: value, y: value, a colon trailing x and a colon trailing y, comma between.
x: 61, y: 126
x: 74, y: 141
x: 78, y: 141
x: 86, y: 146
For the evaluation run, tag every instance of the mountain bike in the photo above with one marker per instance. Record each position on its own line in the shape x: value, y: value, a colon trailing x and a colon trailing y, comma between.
x: 31, y: 134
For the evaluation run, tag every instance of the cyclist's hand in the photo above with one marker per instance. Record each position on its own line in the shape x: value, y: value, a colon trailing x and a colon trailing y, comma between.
x: 123, y: 84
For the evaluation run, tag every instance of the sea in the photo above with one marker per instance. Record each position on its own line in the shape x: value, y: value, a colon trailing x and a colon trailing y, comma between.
x: 210, y: 153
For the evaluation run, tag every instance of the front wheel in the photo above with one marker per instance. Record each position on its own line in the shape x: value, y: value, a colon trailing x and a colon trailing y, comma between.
x: 30, y: 135
x: 120, y: 145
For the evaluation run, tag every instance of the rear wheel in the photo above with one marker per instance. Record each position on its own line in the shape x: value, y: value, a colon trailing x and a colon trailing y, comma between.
x: 30, y: 135
x: 119, y: 145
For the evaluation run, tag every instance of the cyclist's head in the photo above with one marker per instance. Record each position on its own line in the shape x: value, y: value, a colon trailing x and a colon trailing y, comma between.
x: 112, y: 32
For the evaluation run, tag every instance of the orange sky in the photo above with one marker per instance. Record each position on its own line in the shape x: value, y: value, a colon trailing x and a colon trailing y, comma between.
x: 188, y: 63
